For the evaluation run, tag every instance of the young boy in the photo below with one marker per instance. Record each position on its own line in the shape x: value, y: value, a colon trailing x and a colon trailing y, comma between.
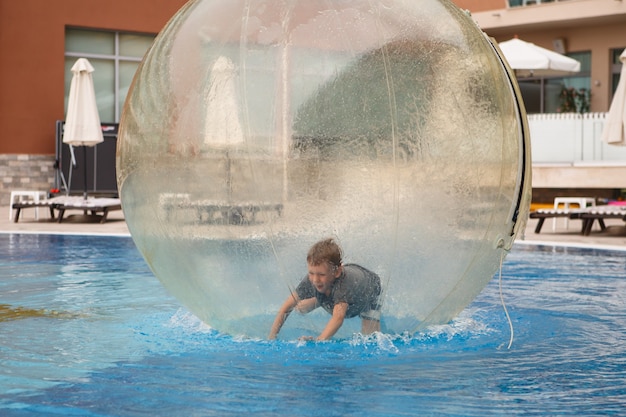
x: 344, y: 291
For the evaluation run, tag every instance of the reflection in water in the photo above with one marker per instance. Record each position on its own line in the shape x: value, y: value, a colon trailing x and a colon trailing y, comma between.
x: 9, y: 313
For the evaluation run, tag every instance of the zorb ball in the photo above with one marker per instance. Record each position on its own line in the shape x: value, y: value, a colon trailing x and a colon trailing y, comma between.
x: 254, y: 129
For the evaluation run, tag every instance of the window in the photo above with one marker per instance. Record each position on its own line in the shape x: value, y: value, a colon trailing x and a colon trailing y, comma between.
x: 545, y: 95
x: 517, y: 3
x: 115, y: 57
x: 616, y: 68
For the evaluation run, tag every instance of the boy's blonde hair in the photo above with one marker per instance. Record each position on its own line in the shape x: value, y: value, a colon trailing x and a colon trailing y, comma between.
x: 326, y: 250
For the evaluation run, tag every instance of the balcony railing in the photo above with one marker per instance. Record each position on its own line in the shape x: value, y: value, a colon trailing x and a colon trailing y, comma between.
x: 572, y: 138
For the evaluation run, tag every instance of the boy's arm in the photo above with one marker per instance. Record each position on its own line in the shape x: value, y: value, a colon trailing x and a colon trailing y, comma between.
x: 302, y: 306
x: 306, y: 306
x: 335, y: 322
x: 282, y: 315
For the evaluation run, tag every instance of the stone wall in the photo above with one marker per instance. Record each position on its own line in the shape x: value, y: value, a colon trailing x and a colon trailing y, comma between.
x: 25, y: 172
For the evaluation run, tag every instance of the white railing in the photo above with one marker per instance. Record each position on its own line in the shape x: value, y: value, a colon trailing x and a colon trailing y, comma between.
x: 572, y: 138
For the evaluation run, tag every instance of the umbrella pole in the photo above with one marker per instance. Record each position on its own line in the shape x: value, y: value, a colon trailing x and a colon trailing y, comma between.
x: 541, y: 98
x: 85, y: 171
x: 229, y: 184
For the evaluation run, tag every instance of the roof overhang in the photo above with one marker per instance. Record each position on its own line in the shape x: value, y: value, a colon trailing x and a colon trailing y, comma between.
x: 551, y: 15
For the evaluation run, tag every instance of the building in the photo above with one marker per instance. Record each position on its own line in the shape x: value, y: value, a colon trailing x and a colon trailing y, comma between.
x: 41, y: 39
x: 592, y: 31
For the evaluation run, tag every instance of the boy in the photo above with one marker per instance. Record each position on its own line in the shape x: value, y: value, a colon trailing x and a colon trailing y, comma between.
x: 344, y: 291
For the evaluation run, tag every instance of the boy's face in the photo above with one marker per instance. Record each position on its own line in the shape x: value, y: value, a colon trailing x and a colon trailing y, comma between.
x: 323, y: 276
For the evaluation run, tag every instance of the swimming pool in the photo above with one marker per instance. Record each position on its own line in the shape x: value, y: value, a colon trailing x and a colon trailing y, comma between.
x: 86, y: 330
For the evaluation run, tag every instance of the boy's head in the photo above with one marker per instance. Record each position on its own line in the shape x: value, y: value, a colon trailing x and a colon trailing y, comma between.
x: 325, y: 251
x: 324, y: 265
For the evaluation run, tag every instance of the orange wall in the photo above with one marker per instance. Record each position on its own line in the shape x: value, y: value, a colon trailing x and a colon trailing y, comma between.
x: 480, y: 5
x: 32, y: 45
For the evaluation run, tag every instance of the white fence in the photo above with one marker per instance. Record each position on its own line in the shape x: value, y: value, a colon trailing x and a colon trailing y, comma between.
x: 571, y: 138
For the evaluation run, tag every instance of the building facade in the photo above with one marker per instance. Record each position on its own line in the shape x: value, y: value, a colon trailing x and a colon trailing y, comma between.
x: 592, y: 31
x: 40, y: 40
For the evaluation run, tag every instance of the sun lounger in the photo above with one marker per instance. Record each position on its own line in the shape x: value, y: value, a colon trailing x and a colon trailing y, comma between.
x: 588, y: 216
x: 210, y: 211
x: 234, y: 213
x: 64, y: 203
x: 600, y: 213
x: 543, y: 214
x: 31, y: 204
x: 93, y: 205
x: 50, y: 203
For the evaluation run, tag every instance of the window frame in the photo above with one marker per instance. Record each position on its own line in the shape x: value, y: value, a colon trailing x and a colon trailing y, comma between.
x: 116, y: 57
x: 616, y: 69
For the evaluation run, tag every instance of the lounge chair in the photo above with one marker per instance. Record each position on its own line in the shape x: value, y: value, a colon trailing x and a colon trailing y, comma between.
x: 211, y: 211
x: 93, y: 205
x: 551, y: 213
x: 588, y: 216
x: 51, y: 203
x: 600, y: 213
x: 64, y: 203
x: 234, y: 213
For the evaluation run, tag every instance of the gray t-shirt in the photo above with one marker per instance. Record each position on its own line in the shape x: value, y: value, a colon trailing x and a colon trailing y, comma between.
x: 357, y: 286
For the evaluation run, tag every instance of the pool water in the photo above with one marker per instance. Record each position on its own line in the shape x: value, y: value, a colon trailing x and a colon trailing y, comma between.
x: 86, y: 330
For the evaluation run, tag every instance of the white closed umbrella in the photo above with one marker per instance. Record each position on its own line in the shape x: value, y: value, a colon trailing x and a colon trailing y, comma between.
x: 614, y: 132
x: 222, y: 127
x: 528, y: 59
x: 82, y: 122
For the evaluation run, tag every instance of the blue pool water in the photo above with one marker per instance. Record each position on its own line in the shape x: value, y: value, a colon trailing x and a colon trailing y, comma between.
x: 86, y: 330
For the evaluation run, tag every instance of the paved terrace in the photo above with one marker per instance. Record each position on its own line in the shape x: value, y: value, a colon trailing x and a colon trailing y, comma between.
x: 613, y: 238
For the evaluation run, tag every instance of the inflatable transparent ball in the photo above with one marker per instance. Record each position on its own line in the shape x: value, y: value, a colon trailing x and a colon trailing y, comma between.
x: 255, y: 129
